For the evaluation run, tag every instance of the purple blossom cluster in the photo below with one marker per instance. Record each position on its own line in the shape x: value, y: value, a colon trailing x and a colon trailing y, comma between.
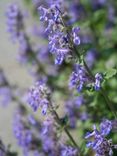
x: 59, y: 39
x: 80, y: 79
x: 16, y: 28
x: 100, y: 144
x: 14, y: 21
x: 39, y: 96
x: 69, y: 151
x: 24, y: 133
x: 50, y: 141
x: 98, y: 80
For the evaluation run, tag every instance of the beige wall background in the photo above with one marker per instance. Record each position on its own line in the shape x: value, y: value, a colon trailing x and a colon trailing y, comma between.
x: 15, y: 73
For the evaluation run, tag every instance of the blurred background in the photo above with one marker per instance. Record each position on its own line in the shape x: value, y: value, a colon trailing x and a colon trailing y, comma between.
x: 15, y: 73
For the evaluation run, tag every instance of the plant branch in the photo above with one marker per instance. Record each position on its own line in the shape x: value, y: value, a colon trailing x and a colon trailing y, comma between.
x: 66, y: 130
x: 103, y: 93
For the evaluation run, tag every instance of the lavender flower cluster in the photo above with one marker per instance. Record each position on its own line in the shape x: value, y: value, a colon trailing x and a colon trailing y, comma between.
x: 67, y: 55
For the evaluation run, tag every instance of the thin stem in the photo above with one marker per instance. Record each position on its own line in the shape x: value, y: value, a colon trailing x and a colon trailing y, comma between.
x: 66, y: 131
x: 88, y: 70
x: 71, y: 138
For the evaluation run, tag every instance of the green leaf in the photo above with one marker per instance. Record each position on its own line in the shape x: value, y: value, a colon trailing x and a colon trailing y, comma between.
x: 110, y: 73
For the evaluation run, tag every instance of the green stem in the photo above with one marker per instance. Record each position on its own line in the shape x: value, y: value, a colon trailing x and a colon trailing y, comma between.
x: 66, y: 130
x: 71, y: 138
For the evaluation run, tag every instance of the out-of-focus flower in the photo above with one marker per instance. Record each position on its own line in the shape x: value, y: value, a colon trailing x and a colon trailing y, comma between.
x: 26, y: 135
x: 99, y: 144
x: 90, y: 58
x: 98, y: 80
x: 14, y: 21
x: 15, y: 26
x: 79, y: 78
x: 5, y: 95
x: 114, y: 125
x: 39, y: 96
x: 73, y: 110
x: 76, y: 38
x: 105, y: 127
x: 69, y: 151
x: 50, y: 141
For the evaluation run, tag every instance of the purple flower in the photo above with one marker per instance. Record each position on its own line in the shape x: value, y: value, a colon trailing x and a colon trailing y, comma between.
x: 39, y: 96
x: 50, y: 141
x: 26, y: 134
x: 48, y: 127
x: 69, y: 151
x: 38, y: 153
x: 5, y: 95
x: 22, y: 134
x: 76, y: 11
x: 32, y: 120
x: 24, y: 48
x: 91, y: 57
x: 59, y: 38
x: 50, y: 14
x: 14, y: 21
x: 76, y: 38
x: 16, y: 29
x: 111, y: 13
x: 44, y: 14
x: 98, y: 4
x: 2, y: 153
x: 98, y: 80
x: 59, y: 44
x: 100, y: 144
x: 84, y: 116
x: 79, y: 78
x: 105, y: 127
